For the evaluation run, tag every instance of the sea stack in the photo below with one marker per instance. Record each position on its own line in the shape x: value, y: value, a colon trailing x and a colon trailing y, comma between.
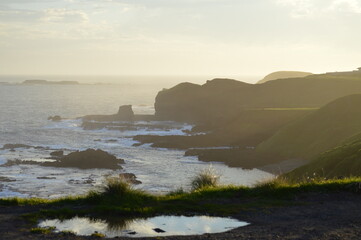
x: 125, y: 113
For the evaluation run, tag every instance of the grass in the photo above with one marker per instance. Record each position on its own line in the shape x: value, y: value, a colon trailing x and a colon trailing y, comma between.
x: 119, y: 199
x: 98, y: 235
x: 206, y: 178
x: 344, y: 160
x: 40, y: 230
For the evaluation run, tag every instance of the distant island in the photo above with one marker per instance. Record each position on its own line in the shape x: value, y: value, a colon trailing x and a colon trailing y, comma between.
x: 46, y: 82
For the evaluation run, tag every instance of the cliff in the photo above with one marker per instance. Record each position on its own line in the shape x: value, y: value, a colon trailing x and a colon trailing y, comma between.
x: 224, y: 99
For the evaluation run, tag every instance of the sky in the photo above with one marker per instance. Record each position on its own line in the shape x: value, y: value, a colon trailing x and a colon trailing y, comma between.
x: 178, y: 37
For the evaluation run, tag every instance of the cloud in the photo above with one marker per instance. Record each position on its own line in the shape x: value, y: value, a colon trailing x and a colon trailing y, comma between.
x: 351, y: 6
x: 316, y: 8
x: 64, y: 16
x: 19, y: 15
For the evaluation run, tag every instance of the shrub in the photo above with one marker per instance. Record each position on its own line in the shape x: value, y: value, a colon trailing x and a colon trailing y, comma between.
x: 117, y: 186
x: 205, y: 178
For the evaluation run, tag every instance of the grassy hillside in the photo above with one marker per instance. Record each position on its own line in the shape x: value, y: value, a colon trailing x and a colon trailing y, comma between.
x: 283, y: 74
x: 342, y: 161
x: 319, y: 131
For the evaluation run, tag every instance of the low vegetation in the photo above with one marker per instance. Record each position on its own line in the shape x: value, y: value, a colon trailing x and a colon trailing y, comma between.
x: 119, y: 198
x: 40, y: 230
x: 98, y: 235
x: 206, y: 178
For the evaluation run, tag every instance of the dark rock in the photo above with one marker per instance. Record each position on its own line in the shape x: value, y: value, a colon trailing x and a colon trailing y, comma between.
x: 13, y: 146
x: 18, y: 162
x: 130, y: 177
x: 85, y: 181
x: 59, y: 153
x: 125, y: 113
x: 46, y: 177
x: 55, y: 118
x: 158, y: 230
x: 132, y: 233
x: 6, y: 179
x: 16, y: 145
x: 87, y: 159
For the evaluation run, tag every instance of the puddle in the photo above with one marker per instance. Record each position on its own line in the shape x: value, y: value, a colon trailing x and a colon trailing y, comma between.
x: 156, y: 226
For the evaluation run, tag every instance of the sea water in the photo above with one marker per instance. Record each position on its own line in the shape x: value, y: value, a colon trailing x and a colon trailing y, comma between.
x: 24, y: 110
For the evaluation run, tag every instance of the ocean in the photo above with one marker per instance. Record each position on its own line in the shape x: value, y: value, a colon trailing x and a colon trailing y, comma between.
x: 23, y: 120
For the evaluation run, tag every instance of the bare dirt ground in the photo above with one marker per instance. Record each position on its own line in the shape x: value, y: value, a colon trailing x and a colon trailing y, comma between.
x: 333, y: 216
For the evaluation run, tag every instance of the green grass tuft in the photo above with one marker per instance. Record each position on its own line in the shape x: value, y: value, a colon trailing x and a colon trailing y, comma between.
x: 117, y: 186
x: 39, y: 230
x: 206, y: 178
x: 98, y: 235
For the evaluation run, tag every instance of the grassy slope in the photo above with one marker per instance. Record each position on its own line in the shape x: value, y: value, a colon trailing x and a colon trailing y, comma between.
x: 283, y: 74
x: 317, y: 132
x: 341, y: 161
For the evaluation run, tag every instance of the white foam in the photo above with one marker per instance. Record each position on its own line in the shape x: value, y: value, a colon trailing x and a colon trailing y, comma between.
x: 71, y: 124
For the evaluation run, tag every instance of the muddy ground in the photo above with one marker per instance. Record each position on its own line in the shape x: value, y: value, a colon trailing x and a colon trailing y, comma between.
x: 311, y: 216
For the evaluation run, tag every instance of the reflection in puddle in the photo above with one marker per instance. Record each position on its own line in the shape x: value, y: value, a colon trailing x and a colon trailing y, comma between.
x: 156, y: 226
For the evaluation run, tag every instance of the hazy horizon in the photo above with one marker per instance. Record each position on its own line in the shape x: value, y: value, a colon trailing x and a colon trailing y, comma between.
x: 167, y: 80
x: 183, y: 37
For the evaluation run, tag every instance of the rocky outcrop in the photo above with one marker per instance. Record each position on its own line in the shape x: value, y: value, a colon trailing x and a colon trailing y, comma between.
x: 13, y: 146
x: 125, y: 113
x: 130, y: 177
x: 55, y: 118
x: 87, y: 159
x: 57, y: 154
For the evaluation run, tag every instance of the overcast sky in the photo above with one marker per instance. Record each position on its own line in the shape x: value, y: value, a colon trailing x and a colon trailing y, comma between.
x: 178, y: 37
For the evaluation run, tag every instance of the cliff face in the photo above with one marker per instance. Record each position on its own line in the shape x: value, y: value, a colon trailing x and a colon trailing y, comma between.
x: 188, y: 102
x: 221, y: 99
